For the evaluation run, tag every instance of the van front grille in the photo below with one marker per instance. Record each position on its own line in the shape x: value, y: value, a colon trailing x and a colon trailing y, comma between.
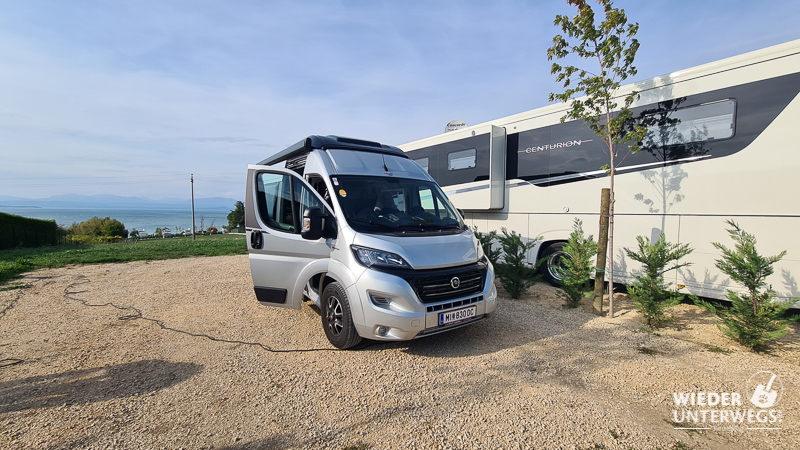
x: 440, y: 285
x: 448, y: 286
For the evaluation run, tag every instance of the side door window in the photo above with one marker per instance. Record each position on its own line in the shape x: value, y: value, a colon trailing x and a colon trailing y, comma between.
x: 274, y: 198
x: 281, y: 201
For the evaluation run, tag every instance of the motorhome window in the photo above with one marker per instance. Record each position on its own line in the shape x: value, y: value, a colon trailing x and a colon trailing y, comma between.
x: 319, y: 185
x: 304, y: 199
x: 708, y: 122
x: 275, y: 201
x: 423, y: 162
x: 464, y: 159
x: 395, y: 205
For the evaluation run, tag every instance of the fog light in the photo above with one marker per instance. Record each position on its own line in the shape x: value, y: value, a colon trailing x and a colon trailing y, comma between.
x: 382, y: 331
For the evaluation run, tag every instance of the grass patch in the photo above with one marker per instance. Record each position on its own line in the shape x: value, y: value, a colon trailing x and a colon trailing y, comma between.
x: 357, y: 446
x: 17, y: 261
x: 681, y: 446
x: 715, y: 349
x: 648, y: 331
x: 648, y: 351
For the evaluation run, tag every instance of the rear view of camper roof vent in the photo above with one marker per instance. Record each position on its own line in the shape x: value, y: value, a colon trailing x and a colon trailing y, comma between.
x: 346, y: 140
x: 325, y: 143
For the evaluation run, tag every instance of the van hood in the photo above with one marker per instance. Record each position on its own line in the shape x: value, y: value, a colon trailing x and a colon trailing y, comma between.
x: 426, y: 252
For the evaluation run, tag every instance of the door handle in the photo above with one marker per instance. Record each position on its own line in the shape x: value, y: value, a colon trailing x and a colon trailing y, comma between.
x: 256, y: 240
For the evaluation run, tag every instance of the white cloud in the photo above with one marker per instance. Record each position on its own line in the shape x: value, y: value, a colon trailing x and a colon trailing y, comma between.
x: 148, y: 90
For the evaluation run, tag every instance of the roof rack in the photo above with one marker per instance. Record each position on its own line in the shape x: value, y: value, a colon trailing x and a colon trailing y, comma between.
x: 302, y: 148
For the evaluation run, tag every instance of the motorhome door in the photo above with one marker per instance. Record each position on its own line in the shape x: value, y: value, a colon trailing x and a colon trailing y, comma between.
x: 281, y: 261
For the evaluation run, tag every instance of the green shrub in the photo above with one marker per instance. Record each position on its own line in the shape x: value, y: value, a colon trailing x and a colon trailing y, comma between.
x: 514, y: 273
x: 487, y: 243
x: 99, y: 227
x: 86, y: 239
x: 756, y: 318
x: 577, y: 267
x: 650, y: 292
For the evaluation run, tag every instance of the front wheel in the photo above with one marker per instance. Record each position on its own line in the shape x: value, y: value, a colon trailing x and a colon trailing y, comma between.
x: 553, y: 266
x: 337, y: 319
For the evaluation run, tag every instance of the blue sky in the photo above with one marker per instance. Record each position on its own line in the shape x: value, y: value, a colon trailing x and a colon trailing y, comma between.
x: 130, y: 97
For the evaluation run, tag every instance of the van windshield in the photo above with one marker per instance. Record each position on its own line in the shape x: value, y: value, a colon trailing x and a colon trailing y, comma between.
x: 395, y: 205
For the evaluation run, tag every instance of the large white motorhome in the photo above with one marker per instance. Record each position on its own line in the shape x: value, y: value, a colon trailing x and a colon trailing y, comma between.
x: 720, y: 145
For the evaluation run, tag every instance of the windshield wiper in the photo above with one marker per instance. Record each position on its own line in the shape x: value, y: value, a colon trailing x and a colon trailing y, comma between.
x: 372, y: 222
x: 413, y: 227
x: 429, y: 227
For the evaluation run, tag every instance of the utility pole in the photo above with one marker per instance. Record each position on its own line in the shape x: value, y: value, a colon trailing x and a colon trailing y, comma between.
x: 193, y: 236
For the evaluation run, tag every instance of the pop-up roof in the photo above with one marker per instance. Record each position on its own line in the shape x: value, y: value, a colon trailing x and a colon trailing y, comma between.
x: 330, y: 142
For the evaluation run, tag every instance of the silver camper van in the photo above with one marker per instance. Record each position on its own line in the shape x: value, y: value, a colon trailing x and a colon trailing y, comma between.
x: 368, y: 236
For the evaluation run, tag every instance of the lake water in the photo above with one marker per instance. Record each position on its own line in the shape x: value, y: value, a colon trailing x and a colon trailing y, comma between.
x: 140, y: 219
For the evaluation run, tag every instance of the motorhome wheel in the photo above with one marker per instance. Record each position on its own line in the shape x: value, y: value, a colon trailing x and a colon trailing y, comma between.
x: 337, y: 319
x: 553, y: 264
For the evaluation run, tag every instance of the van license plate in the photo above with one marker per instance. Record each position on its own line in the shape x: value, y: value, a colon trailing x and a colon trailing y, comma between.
x: 455, y: 316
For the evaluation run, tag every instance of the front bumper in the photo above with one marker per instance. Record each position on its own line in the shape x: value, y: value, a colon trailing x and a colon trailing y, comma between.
x: 391, y: 310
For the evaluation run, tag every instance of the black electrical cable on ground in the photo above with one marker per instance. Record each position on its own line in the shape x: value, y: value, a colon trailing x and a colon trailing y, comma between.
x: 137, y: 315
x: 8, y: 362
x: 13, y: 302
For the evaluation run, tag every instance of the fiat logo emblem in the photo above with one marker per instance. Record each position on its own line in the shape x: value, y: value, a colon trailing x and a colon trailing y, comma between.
x: 455, y: 282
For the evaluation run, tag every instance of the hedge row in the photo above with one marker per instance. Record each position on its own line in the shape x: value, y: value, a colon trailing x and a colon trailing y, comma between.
x: 18, y: 231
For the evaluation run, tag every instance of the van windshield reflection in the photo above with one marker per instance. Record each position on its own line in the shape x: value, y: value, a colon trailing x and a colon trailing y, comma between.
x: 395, y: 205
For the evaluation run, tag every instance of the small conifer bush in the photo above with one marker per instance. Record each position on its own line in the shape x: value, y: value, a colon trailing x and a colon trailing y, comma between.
x: 755, y: 318
x: 514, y: 273
x: 650, y: 291
x: 576, y: 266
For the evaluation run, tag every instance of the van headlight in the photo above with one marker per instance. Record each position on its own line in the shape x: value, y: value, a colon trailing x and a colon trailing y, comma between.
x: 371, y: 257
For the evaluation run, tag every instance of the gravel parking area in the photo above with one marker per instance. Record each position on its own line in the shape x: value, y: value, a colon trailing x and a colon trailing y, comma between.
x: 178, y: 354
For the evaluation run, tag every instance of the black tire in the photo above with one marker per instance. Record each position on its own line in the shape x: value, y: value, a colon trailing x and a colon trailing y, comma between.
x: 552, y: 255
x: 337, y: 320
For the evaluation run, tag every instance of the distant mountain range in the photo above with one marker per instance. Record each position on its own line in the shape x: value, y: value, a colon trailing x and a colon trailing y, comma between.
x: 115, y: 202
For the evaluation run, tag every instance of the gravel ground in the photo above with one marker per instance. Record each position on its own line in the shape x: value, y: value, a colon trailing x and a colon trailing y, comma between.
x: 178, y: 354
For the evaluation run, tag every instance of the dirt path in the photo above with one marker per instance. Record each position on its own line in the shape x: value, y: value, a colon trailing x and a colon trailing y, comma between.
x: 186, y: 358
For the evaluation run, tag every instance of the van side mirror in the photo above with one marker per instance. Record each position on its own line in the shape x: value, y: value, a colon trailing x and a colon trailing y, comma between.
x: 314, y: 224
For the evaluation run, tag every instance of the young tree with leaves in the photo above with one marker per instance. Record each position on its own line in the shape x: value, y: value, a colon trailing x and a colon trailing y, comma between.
x: 609, y: 47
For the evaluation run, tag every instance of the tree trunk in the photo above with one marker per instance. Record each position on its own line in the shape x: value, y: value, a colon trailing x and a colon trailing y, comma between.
x: 602, y: 251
